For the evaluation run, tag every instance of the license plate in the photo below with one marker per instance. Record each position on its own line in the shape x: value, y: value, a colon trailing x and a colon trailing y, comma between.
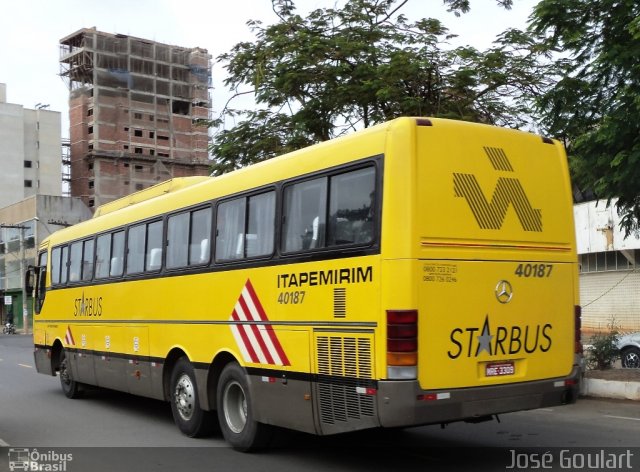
x: 498, y: 369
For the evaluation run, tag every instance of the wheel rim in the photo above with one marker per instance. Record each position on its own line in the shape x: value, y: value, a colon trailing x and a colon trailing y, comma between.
x: 184, y: 397
x: 234, y: 403
x: 632, y: 360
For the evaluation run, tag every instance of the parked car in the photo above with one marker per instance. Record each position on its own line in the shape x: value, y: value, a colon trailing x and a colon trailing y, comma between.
x: 629, y: 346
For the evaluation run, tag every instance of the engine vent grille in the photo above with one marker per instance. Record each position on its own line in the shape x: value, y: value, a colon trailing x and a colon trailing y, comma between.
x: 344, y: 365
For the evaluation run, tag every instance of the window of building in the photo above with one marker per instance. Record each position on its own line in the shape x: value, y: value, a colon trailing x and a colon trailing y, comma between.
x: 90, y: 130
x: 28, y: 183
x: 137, y: 133
x: 90, y: 112
x: 162, y: 137
x: 139, y: 168
x: 608, y: 261
x: 28, y: 164
x: 91, y: 184
x: 137, y: 116
x: 137, y: 150
x: 151, y: 134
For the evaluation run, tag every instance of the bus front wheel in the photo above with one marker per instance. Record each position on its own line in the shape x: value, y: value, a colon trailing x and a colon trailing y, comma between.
x: 192, y: 420
x: 235, y: 411
x: 70, y: 387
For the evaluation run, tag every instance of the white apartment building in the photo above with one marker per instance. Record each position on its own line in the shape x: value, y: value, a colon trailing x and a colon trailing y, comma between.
x: 30, y: 153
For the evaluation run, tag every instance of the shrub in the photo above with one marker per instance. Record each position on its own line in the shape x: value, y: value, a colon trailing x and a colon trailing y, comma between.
x: 603, y: 350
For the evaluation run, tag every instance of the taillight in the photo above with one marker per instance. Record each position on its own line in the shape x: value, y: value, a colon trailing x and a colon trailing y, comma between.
x: 577, y: 336
x: 402, y: 344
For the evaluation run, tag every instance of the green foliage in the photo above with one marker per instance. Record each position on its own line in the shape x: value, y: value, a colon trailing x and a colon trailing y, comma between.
x: 595, y: 103
x: 603, y: 350
x: 341, y: 69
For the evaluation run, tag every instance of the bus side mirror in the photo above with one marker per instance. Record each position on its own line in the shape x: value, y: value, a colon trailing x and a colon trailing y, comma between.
x: 30, y: 279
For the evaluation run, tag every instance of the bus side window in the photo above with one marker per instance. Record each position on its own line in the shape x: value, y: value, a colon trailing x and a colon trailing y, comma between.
x: 117, y: 254
x: 230, y: 229
x: 88, y: 259
x: 154, y: 246
x: 64, y: 265
x: 55, y: 266
x: 260, y: 224
x: 75, y: 262
x: 352, y: 207
x: 135, y: 249
x: 304, y: 215
x: 103, y: 255
x: 177, y: 240
x: 199, y: 247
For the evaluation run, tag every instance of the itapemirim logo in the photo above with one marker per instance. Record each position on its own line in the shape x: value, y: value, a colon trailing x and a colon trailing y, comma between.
x: 508, y: 191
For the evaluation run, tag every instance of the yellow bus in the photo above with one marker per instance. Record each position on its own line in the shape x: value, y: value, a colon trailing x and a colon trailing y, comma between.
x: 422, y: 271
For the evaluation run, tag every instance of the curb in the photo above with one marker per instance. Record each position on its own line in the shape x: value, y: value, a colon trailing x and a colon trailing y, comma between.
x: 610, y: 389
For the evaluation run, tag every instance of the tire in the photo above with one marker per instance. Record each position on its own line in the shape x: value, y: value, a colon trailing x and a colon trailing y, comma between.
x: 192, y: 420
x: 235, y: 412
x: 630, y: 357
x: 70, y: 387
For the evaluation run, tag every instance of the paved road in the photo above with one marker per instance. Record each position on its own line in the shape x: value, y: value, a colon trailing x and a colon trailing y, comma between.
x: 110, y: 431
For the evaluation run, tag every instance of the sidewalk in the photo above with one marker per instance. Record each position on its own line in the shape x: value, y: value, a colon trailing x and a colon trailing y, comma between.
x: 617, y: 383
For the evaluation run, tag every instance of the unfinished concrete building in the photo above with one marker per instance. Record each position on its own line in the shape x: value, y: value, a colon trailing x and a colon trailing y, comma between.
x: 137, y: 112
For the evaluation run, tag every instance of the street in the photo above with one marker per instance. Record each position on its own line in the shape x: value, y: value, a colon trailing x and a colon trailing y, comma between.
x: 115, y: 431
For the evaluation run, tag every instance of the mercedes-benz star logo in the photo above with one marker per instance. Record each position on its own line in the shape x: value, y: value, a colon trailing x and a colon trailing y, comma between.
x: 504, y: 291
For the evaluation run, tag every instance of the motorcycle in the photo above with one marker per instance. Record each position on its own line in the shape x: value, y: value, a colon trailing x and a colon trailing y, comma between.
x: 8, y: 328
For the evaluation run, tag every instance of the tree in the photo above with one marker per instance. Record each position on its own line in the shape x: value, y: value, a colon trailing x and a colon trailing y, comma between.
x: 337, y: 70
x: 595, y: 103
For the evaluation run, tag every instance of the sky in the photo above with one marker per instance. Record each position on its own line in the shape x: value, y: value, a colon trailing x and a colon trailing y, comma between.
x: 30, y: 32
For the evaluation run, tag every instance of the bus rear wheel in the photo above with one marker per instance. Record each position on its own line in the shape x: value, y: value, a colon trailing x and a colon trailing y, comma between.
x: 235, y: 412
x: 70, y: 387
x: 192, y: 420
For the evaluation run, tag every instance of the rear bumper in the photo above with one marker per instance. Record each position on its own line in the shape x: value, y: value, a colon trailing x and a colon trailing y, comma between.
x: 404, y: 403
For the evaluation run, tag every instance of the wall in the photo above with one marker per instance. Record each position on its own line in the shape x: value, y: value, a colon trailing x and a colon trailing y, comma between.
x: 610, y: 295
x: 609, y: 268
